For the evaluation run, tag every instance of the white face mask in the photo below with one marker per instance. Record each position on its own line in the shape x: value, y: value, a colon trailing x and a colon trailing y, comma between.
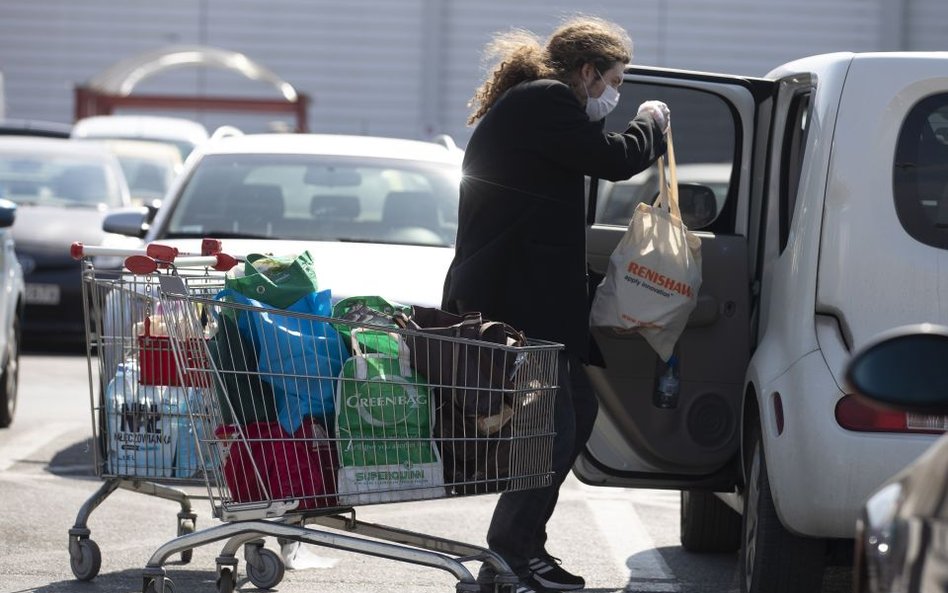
x: 599, y: 107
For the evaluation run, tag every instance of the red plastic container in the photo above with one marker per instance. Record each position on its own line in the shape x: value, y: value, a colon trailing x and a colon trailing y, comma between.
x: 157, y: 364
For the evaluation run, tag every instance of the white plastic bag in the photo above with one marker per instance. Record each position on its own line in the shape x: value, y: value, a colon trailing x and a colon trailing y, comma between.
x: 142, y: 422
x: 654, y: 273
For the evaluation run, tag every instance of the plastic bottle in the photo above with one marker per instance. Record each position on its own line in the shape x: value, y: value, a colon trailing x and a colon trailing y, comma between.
x: 666, y: 393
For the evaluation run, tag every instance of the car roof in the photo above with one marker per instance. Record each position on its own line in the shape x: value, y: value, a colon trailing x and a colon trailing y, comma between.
x: 40, y: 145
x: 708, y: 172
x: 138, y: 148
x: 333, y: 145
x: 133, y: 126
x: 688, y: 172
x: 32, y: 127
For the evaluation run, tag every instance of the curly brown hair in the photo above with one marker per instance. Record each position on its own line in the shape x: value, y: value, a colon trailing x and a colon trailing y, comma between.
x: 518, y: 55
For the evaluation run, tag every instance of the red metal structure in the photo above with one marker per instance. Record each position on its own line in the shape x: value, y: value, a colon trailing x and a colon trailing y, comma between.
x: 112, y: 88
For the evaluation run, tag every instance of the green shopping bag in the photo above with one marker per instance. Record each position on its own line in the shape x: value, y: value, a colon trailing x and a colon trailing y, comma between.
x: 384, y: 421
x: 369, y: 310
x: 277, y: 280
x: 244, y: 397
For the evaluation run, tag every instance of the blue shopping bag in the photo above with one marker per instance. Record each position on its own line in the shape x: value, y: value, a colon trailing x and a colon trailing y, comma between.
x: 299, y: 357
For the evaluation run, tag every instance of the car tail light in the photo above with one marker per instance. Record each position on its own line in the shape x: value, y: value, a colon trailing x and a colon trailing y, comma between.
x: 852, y: 413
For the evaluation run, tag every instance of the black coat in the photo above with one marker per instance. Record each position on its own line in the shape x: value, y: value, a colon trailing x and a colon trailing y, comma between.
x: 521, y: 244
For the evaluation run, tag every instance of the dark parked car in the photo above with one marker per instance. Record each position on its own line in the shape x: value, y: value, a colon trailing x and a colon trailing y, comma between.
x: 63, y: 190
x: 902, y: 533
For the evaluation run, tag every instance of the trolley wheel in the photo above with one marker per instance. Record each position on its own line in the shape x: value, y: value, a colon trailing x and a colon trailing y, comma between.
x: 225, y: 581
x: 186, y: 526
x: 267, y: 571
x: 87, y: 564
x: 164, y: 585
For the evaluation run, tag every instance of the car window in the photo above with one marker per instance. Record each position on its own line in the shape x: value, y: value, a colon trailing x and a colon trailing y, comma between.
x: 319, y: 198
x: 147, y: 178
x: 794, y: 141
x: 57, y: 180
x: 920, y: 172
x: 704, y: 133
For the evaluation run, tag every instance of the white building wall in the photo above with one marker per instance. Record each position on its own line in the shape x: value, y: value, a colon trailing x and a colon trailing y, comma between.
x: 927, y: 25
x: 408, y: 67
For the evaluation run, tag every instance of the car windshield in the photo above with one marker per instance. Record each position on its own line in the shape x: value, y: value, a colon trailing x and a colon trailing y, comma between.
x: 147, y: 178
x: 318, y: 198
x: 57, y: 180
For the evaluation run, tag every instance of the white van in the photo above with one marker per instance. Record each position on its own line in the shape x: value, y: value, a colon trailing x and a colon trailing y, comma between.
x: 184, y: 134
x: 834, y: 228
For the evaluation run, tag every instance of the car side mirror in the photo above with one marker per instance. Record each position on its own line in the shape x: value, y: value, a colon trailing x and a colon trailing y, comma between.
x: 698, y: 205
x: 904, y: 369
x: 153, y: 207
x: 132, y: 222
x: 7, y: 213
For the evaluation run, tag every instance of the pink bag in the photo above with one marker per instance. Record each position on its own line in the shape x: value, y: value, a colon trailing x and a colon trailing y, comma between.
x: 265, y: 464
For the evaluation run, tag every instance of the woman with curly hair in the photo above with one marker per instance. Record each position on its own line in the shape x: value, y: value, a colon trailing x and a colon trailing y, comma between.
x: 521, y: 244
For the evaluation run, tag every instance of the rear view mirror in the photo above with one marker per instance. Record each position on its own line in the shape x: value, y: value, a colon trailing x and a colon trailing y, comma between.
x: 332, y: 177
x: 904, y: 369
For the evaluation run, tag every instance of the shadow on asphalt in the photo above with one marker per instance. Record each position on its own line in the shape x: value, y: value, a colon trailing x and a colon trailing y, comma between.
x: 75, y: 461
x: 183, y: 577
x: 53, y: 348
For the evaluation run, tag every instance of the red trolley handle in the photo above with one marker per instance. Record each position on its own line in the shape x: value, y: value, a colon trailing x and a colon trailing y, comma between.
x: 157, y: 251
x: 144, y: 264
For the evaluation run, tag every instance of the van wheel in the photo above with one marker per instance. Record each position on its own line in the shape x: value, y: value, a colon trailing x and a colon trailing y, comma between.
x: 10, y: 377
x: 707, y: 524
x: 773, y: 560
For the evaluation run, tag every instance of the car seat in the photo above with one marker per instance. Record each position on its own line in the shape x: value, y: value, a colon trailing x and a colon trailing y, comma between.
x: 324, y: 207
x: 411, y: 209
x: 256, y: 207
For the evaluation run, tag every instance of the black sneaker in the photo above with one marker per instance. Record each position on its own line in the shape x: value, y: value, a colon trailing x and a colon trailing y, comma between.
x: 527, y: 583
x: 547, y: 572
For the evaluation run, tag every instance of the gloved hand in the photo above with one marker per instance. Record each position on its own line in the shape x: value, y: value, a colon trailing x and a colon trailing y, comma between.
x: 658, y: 111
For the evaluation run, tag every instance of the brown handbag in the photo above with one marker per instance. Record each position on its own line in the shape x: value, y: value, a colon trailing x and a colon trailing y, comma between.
x: 458, y: 355
x: 473, y: 379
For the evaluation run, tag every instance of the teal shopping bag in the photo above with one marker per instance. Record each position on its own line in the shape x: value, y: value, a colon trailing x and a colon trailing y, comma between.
x: 300, y: 356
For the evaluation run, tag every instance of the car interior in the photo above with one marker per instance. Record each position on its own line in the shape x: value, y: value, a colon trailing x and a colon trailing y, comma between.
x: 286, y: 201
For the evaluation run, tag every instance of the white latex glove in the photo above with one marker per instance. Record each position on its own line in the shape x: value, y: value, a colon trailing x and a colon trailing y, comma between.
x: 658, y: 111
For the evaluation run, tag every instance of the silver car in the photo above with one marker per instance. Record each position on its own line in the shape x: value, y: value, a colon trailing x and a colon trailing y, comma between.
x: 11, y: 313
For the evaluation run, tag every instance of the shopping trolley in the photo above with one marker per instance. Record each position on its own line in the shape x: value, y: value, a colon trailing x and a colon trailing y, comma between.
x: 301, y: 416
x: 141, y: 430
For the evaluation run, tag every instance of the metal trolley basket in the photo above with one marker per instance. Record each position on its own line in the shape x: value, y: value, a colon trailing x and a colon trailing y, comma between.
x: 300, y: 417
x: 141, y: 426
x: 278, y: 415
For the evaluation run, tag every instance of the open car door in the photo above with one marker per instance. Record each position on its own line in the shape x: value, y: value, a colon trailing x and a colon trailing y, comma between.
x: 693, y: 445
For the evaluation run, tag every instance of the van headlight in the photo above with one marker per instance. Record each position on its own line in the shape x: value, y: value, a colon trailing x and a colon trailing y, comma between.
x: 883, y: 540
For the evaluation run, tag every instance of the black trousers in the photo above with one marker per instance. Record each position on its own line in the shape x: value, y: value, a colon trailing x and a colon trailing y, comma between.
x: 517, y: 530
